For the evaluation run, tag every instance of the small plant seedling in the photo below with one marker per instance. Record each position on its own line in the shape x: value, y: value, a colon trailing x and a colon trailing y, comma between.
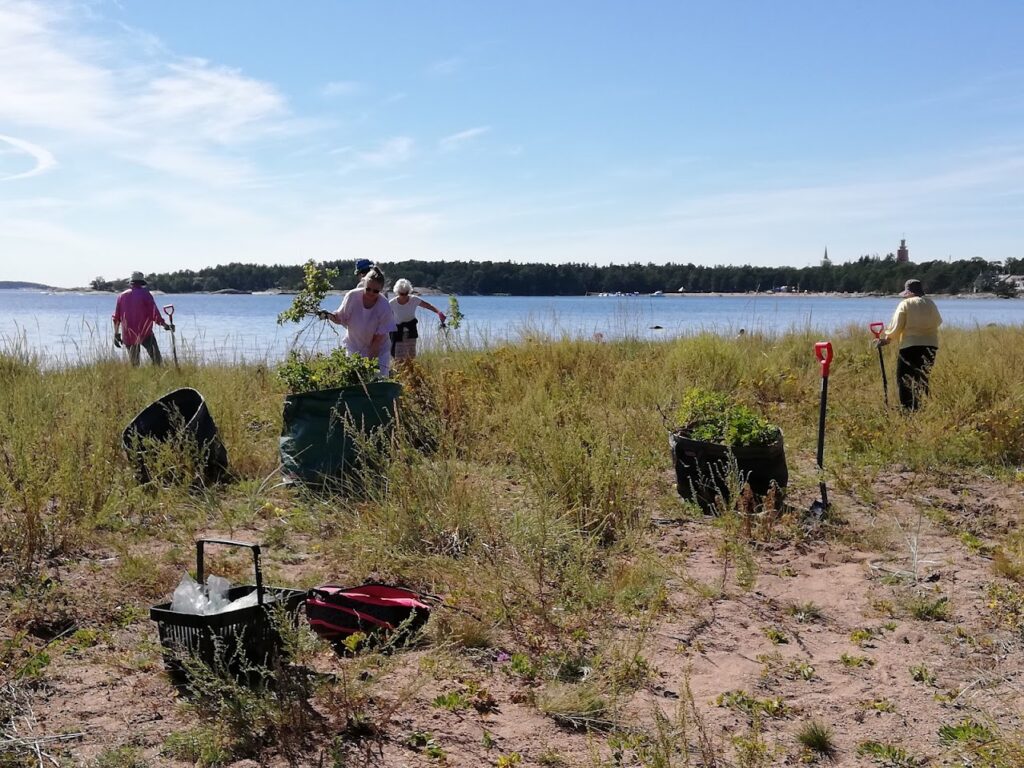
x: 480, y: 698
x: 856, y: 662
x: 453, y: 701
x: 776, y: 635
x: 973, y: 543
x: 120, y: 757
x: 803, y: 670
x: 354, y: 642
x: 521, y: 665
x: 1006, y: 601
x: 435, y: 752
x: 863, y: 636
x: 881, y: 705
x: 966, y: 732
x: 817, y: 737
x: 424, y: 740
x: 752, y: 706
x: 419, y: 739
x: 887, y: 755
x: 551, y: 758
x: 925, y: 609
x: 805, y: 613
x: 919, y: 673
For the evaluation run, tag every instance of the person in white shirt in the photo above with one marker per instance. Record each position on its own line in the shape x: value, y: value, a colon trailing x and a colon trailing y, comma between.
x: 404, y: 306
x: 367, y: 319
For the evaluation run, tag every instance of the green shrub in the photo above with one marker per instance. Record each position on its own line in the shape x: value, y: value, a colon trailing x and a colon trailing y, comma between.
x: 303, y: 372
x: 716, y: 417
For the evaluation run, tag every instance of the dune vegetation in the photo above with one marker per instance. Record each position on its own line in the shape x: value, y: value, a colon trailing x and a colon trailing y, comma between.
x: 591, y: 617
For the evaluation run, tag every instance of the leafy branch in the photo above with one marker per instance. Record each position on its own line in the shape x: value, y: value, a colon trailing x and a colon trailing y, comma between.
x: 302, y: 372
x: 454, y: 316
x: 317, y: 281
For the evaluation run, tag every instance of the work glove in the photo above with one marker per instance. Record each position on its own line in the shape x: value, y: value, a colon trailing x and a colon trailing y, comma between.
x: 880, y: 343
x: 117, y: 339
x: 443, y: 317
x: 322, y: 314
x: 169, y: 327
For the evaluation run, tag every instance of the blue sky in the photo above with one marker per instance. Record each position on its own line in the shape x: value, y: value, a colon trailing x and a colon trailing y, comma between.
x: 172, y: 135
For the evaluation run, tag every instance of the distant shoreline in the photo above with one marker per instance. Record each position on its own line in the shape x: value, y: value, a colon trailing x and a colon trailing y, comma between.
x: 437, y: 292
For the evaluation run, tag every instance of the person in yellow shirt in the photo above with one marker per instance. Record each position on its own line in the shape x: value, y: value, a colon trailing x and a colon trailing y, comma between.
x: 915, y: 327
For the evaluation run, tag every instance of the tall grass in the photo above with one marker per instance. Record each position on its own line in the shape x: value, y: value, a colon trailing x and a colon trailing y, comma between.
x: 520, y: 483
x: 573, y: 425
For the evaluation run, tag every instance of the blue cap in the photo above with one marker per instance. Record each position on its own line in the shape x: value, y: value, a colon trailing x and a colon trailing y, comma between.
x: 363, y: 265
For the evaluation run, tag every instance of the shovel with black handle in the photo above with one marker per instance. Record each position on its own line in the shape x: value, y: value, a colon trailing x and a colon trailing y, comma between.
x: 823, y: 353
x: 877, y: 328
x: 169, y: 309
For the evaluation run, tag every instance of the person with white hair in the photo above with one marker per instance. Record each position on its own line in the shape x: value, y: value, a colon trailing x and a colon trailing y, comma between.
x: 404, y: 306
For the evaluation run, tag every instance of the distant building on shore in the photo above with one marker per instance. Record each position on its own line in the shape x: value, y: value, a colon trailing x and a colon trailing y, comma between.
x: 902, y: 253
x: 826, y: 262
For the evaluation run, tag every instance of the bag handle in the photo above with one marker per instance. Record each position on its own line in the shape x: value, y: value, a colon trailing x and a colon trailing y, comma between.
x: 228, y: 542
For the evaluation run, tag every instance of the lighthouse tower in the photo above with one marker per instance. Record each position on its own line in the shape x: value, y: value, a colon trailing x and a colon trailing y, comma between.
x: 902, y: 253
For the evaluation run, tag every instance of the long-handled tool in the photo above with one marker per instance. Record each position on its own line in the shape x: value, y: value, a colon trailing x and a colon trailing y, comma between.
x: 823, y: 353
x: 169, y: 309
x: 877, y: 328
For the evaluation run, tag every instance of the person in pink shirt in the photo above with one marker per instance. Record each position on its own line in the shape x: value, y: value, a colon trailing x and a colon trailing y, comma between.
x: 134, y: 317
x: 368, y: 320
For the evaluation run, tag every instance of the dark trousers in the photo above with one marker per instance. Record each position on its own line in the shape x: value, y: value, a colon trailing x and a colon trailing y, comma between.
x: 912, y: 370
x: 151, y: 347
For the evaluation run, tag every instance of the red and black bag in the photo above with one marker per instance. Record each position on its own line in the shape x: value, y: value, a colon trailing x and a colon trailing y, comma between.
x: 335, y: 612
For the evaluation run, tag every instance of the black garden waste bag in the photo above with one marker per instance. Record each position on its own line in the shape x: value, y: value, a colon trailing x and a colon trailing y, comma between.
x: 321, y: 431
x: 703, y: 469
x: 182, y: 419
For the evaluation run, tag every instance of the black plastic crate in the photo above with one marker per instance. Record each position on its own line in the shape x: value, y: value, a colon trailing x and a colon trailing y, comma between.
x: 236, y: 643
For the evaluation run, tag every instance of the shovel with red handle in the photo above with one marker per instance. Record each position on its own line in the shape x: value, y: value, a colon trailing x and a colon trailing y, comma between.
x: 877, y: 328
x: 823, y: 353
x: 169, y: 309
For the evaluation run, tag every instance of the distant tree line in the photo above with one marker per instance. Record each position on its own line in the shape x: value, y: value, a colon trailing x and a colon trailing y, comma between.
x: 868, y: 274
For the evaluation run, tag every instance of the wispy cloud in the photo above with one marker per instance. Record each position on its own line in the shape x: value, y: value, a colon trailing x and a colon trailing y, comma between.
x: 388, y: 154
x: 457, y: 140
x: 148, y: 109
x: 215, y: 103
x: 340, y: 88
x: 43, y: 158
x: 447, y: 66
x: 193, y: 163
x: 48, y: 81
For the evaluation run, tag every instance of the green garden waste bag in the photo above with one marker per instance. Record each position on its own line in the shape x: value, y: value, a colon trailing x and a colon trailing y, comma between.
x: 322, y: 431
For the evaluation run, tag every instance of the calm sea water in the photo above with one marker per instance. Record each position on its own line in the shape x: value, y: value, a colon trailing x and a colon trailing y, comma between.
x: 69, y: 327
